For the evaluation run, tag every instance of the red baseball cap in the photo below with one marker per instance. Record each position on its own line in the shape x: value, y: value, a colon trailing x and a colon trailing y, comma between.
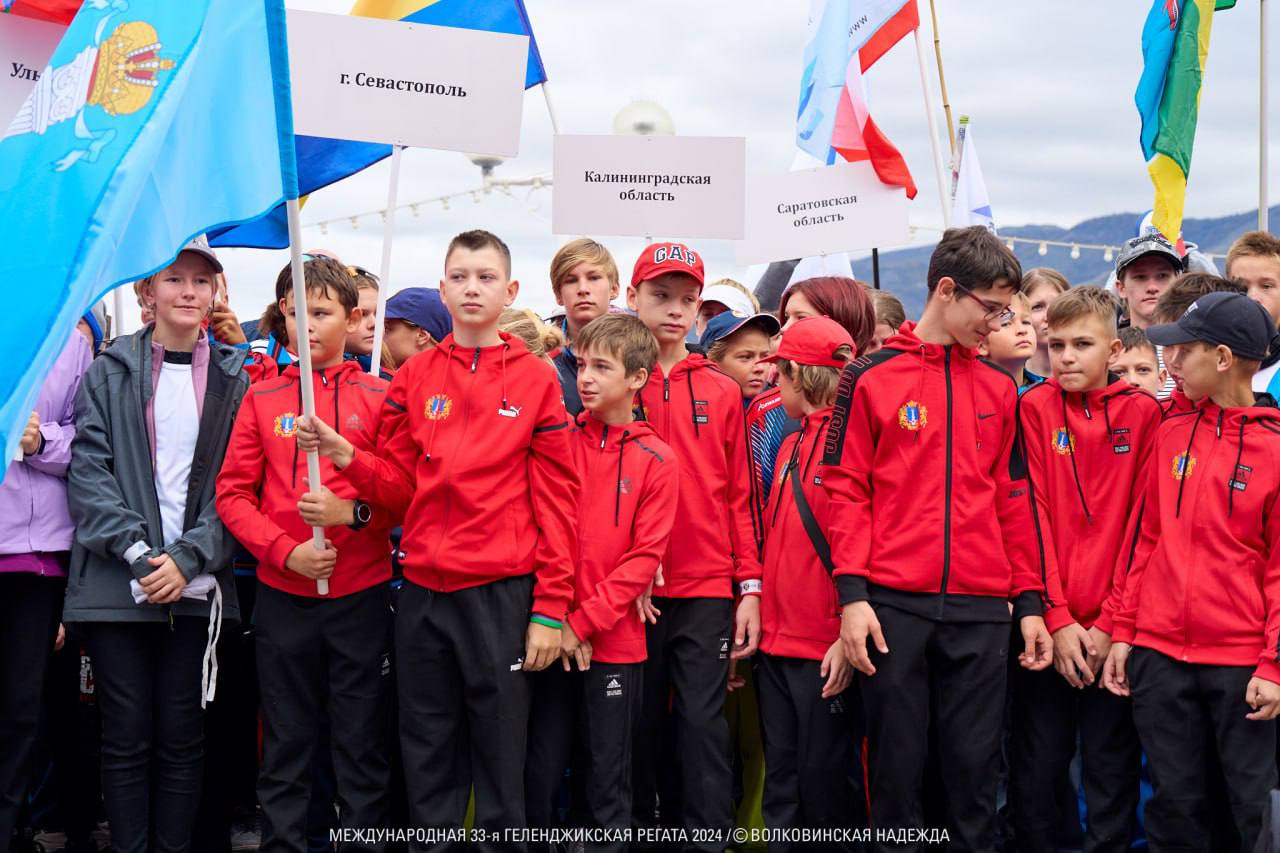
x: 814, y: 340
x: 660, y: 258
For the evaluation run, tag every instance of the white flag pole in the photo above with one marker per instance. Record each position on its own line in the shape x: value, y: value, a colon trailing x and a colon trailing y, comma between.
x: 384, y: 280
x: 551, y: 109
x: 1263, y: 212
x: 304, y: 361
x: 933, y: 132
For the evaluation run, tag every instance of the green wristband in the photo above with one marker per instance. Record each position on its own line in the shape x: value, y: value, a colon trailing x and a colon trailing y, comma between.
x: 544, y: 621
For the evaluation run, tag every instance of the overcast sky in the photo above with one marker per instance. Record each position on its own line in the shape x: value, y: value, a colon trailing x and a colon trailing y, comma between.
x: 1049, y: 87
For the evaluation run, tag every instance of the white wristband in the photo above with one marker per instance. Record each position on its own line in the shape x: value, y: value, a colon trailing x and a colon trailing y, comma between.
x: 136, y: 550
x: 747, y: 587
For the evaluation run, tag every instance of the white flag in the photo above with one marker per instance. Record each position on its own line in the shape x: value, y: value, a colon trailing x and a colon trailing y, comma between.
x: 970, y: 205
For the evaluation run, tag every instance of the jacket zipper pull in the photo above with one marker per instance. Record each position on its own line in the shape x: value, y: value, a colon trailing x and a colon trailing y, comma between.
x: 1088, y: 414
x: 666, y: 389
x: 475, y: 360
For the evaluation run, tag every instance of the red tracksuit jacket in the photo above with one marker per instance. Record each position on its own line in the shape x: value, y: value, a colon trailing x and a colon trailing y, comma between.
x: 929, y: 500
x: 1176, y: 403
x: 474, y: 445
x: 1086, y: 457
x: 698, y: 411
x: 630, y: 490
x: 264, y: 476
x: 1203, y: 579
x: 799, y: 614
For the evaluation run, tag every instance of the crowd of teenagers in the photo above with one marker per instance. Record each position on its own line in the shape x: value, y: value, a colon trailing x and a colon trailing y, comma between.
x: 984, y: 574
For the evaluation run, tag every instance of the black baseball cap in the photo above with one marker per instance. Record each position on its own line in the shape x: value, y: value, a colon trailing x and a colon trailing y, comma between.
x: 1232, y: 320
x: 1148, y: 244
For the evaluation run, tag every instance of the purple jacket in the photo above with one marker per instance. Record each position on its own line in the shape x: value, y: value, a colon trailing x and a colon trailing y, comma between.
x: 33, y: 496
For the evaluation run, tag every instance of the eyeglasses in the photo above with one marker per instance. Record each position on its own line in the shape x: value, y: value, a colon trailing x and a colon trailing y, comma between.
x: 361, y: 272
x: 1003, y: 313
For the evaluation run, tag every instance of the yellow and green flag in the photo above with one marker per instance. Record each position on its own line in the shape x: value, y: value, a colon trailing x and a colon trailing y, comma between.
x: 1175, y: 46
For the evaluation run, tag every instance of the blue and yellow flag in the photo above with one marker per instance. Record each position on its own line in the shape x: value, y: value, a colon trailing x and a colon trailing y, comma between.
x: 115, y: 161
x: 1175, y: 47
x: 325, y: 161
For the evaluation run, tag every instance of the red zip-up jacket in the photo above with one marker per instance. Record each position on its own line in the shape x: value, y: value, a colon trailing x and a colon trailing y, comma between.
x: 799, y: 614
x: 698, y: 411
x: 1203, y: 578
x: 474, y: 446
x: 1086, y: 457
x: 1176, y: 403
x: 929, y: 509
x: 264, y: 476
x: 630, y: 490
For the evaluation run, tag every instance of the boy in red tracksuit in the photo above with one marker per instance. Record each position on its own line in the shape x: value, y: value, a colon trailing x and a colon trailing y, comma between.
x: 315, y: 651
x: 930, y: 530
x: 474, y: 441
x: 1087, y: 436
x: 630, y: 489
x: 1197, y: 631
x: 1170, y: 307
x: 801, y: 671
x: 698, y: 411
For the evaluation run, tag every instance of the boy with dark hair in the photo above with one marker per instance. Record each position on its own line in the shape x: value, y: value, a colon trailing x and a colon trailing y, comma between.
x: 1087, y: 435
x: 315, y: 652
x: 630, y: 489
x: 698, y: 411
x: 488, y: 544
x: 931, y: 541
x: 1198, y: 622
x: 1137, y: 363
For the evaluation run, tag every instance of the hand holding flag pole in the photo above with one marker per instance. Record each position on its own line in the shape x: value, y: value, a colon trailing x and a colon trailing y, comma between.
x: 278, y: 39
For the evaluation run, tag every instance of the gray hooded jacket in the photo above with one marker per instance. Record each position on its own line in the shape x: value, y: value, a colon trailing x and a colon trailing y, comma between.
x: 111, y: 487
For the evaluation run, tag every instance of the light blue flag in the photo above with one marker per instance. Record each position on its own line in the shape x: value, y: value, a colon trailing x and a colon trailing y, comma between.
x: 154, y: 121
x: 1159, y: 33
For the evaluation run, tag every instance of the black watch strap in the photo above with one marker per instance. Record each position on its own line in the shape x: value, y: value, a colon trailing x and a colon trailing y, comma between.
x: 361, y: 514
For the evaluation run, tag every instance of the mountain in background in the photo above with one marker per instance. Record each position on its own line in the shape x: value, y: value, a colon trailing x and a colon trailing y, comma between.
x: 903, y: 271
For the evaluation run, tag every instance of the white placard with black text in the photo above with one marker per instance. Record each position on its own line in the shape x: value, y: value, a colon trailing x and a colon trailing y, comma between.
x: 419, y: 85
x: 638, y: 186
x: 821, y: 211
x: 25, y: 47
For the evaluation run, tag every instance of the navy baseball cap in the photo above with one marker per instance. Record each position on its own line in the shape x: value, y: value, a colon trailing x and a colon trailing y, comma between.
x: 1232, y: 320
x: 726, y: 323
x: 421, y: 307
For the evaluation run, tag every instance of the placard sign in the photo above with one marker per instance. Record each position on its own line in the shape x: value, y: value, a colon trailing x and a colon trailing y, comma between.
x: 409, y: 84
x: 820, y: 212
x: 25, y: 47
x: 637, y: 186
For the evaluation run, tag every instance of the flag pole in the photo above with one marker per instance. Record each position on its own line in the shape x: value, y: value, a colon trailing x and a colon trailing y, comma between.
x: 117, y: 305
x: 933, y: 132
x: 304, y: 361
x: 942, y: 80
x: 875, y: 268
x: 1263, y: 212
x: 384, y: 280
x: 278, y: 45
x: 551, y: 109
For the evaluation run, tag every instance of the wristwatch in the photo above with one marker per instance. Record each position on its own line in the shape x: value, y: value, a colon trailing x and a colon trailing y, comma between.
x: 362, y: 513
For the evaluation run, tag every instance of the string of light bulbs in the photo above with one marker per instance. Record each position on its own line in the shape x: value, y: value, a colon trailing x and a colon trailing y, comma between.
x: 502, y: 185
x: 538, y: 182
x: 1042, y: 246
